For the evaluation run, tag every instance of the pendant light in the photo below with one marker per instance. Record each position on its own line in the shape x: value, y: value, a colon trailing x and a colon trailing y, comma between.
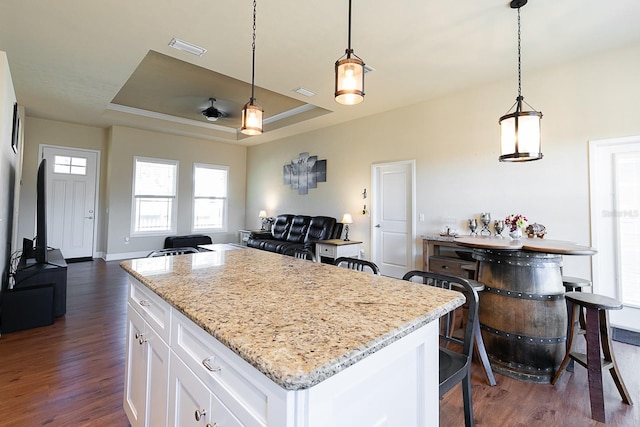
x: 349, y: 75
x: 252, y: 112
x: 520, y: 130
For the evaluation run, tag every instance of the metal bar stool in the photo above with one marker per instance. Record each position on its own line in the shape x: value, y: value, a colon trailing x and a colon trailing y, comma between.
x: 597, y: 334
x: 478, y: 344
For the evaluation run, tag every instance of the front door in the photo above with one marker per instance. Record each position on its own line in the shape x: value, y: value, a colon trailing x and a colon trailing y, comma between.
x: 71, y: 200
x: 392, y: 217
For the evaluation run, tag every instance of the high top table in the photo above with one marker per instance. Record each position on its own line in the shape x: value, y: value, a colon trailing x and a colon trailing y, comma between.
x: 522, y: 311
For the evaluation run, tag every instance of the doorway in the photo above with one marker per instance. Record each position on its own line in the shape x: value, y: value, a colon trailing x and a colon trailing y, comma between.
x: 393, y: 217
x: 614, y: 174
x: 71, y: 182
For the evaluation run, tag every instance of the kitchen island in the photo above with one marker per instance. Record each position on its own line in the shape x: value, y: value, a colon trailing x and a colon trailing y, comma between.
x: 247, y: 337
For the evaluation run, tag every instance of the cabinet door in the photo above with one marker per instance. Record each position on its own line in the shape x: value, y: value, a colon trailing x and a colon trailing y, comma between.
x: 135, y: 371
x: 192, y: 403
x: 189, y: 399
x: 157, y: 378
x: 146, y: 374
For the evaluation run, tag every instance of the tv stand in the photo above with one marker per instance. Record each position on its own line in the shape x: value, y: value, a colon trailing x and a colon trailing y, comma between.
x: 31, y: 273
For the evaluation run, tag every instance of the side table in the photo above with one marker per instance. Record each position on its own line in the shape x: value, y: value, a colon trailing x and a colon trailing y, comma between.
x: 245, y: 234
x: 336, y: 248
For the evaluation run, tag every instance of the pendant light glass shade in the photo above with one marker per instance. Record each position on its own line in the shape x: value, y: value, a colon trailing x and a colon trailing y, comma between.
x: 520, y: 135
x: 251, y: 118
x: 349, y: 75
x: 252, y: 112
x: 520, y: 130
x: 349, y: 80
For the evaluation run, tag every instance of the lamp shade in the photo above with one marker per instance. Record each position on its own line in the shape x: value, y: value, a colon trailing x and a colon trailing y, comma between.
x: 520, y: 136
x: 251, y: 119
x: 262, y: 214
x: 349, y: 81
x: 346, y: 219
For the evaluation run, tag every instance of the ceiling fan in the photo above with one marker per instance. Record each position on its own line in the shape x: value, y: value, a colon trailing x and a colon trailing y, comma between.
x: 212, y: 113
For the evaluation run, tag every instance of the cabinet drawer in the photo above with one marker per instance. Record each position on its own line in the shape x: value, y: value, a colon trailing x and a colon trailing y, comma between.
x: 328, y: 250
x: 151, y: 307
x: 220, y: 370
x: 452, y: 267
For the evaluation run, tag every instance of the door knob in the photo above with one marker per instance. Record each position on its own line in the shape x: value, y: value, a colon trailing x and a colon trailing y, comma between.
x: 377, y: 226
x: 88, y: 217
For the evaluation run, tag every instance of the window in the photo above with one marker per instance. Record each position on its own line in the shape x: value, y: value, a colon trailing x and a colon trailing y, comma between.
x: 209, y: 197
x: 154, y: 195
x: 70, y: 165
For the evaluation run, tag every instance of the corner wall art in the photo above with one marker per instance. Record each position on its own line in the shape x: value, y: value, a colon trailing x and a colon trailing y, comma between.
x: 304, y: 172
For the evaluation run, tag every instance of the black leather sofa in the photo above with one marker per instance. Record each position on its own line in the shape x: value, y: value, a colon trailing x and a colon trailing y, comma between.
x: 291, y: 232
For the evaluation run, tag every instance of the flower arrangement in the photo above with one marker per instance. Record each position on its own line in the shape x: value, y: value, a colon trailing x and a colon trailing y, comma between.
x: 515, y: 222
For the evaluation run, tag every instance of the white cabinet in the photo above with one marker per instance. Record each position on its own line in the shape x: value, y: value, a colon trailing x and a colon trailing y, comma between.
x: 147, y: 357
x: 191, y: 403
x: 177, y: 374
x: 146, y: 371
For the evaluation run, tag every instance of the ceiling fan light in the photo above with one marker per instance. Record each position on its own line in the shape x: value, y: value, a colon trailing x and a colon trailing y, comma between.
x: 251, y: 119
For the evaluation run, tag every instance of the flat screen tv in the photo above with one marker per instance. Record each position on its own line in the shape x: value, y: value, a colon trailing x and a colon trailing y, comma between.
x: 41, y: 214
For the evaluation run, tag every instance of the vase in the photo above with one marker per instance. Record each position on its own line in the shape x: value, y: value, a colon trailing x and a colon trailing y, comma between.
x: 516, y: 234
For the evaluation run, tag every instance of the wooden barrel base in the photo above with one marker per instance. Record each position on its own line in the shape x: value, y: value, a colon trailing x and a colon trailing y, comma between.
x: 522, y: 313
x: 520, y: 372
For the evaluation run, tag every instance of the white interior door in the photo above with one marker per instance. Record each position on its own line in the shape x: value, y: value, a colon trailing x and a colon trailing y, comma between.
x: 71, y: 200
x: 615, y: 221
x: 392, y: 217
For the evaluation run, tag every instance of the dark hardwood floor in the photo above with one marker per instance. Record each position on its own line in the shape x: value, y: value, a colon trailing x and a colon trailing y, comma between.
x: 72, y: 372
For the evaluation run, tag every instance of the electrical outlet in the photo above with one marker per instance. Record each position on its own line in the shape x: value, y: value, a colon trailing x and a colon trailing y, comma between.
x: 126, y: 240
x: 421, y: 217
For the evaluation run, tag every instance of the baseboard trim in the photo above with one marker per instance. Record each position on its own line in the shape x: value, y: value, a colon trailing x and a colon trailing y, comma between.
x: 626, y: 336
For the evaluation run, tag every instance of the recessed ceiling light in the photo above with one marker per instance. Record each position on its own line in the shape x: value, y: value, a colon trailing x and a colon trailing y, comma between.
x: 187, y: 47
x: 304, y: 91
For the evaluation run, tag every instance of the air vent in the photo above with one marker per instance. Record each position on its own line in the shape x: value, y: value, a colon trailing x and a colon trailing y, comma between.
x: 187, y: 47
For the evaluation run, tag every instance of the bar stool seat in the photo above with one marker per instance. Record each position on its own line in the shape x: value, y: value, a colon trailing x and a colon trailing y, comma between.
x: 597, y: 334
x: 575, y: 284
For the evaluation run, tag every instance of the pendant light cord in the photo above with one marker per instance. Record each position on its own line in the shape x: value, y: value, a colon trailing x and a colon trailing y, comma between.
x: 253, y: 48
x: 519, y: 65
x: 349, y: 37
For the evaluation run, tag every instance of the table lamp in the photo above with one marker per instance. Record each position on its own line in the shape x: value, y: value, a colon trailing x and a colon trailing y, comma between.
x: 346, y: 220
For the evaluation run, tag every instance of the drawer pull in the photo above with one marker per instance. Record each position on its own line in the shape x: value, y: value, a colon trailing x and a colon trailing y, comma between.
x: 145, y: 303
x: 444, y: 267
x: 200, y: 413
x: 211, y: 425
x: 207, y: 364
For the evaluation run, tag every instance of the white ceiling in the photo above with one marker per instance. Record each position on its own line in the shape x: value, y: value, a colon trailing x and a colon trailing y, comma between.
x: 70, y: 58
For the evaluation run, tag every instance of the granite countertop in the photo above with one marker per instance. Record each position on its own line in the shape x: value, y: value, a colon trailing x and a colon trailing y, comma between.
x: 296, y: 321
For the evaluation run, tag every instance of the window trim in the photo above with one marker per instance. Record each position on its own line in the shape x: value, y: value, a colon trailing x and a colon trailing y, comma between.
x: 225, y: 210
x: 174, y: 205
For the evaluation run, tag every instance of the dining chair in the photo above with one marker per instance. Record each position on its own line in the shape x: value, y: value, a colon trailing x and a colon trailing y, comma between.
x: 357, y: 264
x: 455, y: 367
x: 172, y: 251
x: 304, y: 254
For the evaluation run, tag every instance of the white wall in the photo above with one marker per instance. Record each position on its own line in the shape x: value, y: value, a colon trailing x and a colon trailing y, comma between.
x: 8, y: 166
x: 49, y: 132
x: 455, y: 142
x: 125, y: 143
